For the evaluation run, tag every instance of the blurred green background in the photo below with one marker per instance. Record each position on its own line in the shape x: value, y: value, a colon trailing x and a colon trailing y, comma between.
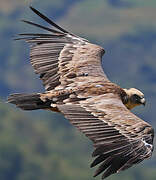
x: 43, y: 145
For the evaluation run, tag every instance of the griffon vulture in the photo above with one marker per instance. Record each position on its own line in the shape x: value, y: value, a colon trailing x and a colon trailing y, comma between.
x: 76, y: 86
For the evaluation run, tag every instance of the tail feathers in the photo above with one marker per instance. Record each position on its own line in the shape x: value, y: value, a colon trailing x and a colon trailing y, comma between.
x: 28, y: 101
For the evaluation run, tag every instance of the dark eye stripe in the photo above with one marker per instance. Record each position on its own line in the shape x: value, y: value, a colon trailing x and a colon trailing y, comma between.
x: 136, y: 96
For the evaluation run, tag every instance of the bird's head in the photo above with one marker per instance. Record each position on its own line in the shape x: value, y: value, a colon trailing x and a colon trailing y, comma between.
x: 135, y: 98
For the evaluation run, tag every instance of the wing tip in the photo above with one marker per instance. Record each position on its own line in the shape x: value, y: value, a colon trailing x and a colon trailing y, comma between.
x: 31, y: 7
x: 34, y: 10
x: 49, y: 21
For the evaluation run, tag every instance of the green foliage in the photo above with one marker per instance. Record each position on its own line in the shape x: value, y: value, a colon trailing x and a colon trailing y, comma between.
x: 109, y: 22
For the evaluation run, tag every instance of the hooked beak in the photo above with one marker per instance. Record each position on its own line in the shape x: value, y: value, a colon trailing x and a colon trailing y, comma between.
x: 143, y: 101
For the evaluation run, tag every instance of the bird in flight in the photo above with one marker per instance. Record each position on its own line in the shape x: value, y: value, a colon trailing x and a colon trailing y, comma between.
x: 76, y: 86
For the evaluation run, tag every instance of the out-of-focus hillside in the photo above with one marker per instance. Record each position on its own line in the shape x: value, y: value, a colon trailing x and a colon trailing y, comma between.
x: 110, y: 20
x: 8, y: 6
x: 42, y: 145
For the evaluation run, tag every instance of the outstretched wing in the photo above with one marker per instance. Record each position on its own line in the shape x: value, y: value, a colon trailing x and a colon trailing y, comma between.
x: 120, y: 138
x: 62, y: 58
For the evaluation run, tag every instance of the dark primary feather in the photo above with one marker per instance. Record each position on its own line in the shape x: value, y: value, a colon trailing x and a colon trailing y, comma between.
x: 42, y: 27
x: 48, y: 20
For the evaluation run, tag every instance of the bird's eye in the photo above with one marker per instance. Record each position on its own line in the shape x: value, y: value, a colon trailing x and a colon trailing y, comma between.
x: 136, y: 96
